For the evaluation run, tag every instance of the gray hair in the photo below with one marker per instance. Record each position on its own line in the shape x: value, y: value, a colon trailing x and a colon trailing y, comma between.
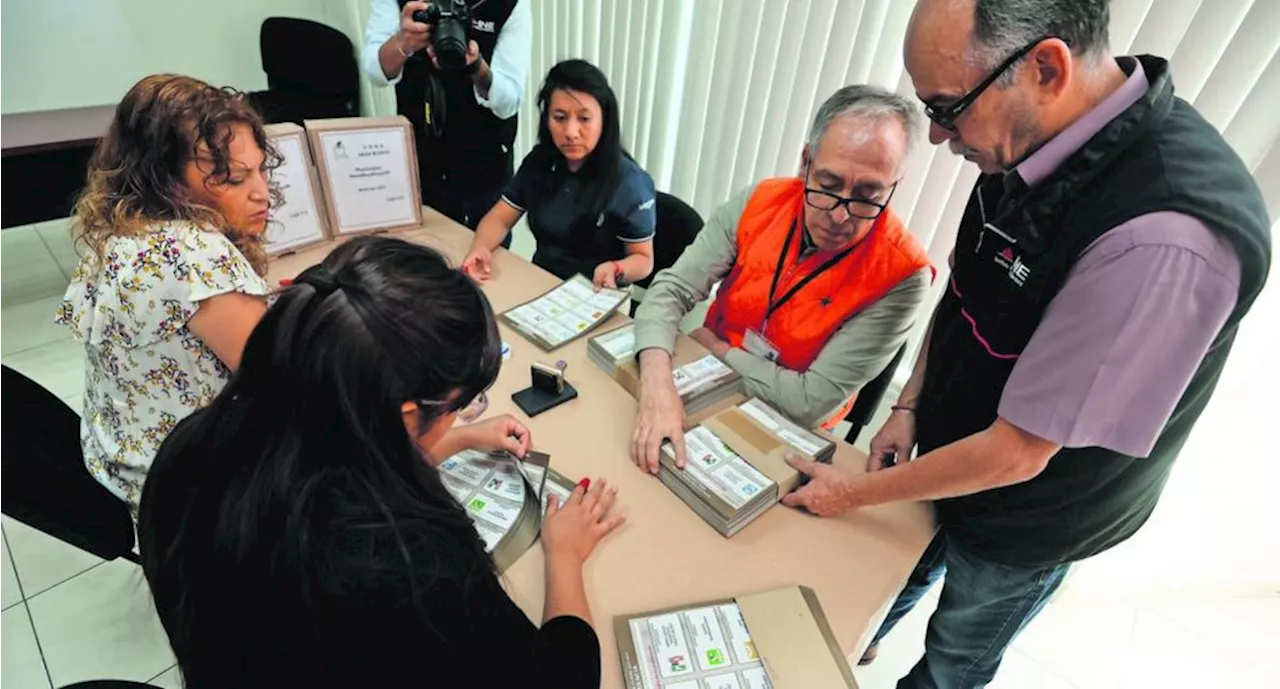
x: 870, y: 102
x: 1002, y: 27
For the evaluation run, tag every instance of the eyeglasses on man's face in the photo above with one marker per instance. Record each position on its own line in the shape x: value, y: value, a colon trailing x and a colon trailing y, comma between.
x: 856, y: 206
x: 945, y: 116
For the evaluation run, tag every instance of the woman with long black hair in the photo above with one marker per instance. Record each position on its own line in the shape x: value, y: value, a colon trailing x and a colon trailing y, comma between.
x: 591, y: 207
x: 295, y: 531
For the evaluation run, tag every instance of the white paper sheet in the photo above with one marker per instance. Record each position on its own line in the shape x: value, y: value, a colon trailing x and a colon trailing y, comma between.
x: 298, y: 220
x: 369, y: 174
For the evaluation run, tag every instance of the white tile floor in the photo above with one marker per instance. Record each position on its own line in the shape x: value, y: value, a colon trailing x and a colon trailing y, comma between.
x: 68, y: 616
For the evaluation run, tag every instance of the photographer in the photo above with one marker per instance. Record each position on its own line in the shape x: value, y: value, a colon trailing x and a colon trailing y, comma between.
x: 463, y: 115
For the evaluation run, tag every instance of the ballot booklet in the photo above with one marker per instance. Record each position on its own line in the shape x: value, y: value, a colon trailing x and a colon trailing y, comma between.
x: 570, y: 310
x: 613, y: 349
x: 702, y: 381
x: 502, y: 495
x: 735, y: 468
x: 777, y: 639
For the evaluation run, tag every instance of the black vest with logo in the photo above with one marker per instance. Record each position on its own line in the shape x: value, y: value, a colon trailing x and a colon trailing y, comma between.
x: 1012, y: 256
x: 472, y: 151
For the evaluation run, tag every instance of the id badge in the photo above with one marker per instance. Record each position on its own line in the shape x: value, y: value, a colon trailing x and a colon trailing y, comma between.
x: 759, y: 345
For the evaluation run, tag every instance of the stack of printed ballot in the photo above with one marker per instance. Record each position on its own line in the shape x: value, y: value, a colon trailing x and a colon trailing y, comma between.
x: 736, y: 468
x: 702, y: 380
x: 500, y: 494
x: 565, y: 313
x: 777, y: 639
x: 613, y: 349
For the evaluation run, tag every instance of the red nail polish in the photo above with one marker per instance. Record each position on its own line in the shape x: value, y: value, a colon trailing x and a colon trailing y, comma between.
x: 285, y: 282
x: 585, y: 484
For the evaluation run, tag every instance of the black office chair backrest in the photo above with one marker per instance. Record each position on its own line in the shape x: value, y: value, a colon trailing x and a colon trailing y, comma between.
x: 45, y: 483
x: 869, y: 398
x: 311, y: 72
x: 678, y: 225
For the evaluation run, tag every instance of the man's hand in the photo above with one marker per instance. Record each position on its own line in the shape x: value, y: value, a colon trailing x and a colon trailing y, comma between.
x: 896, y: 437
x: 711, y: 342
x: 413, y: 36
x: 499, y: 433
x: 660, y: 416
x: 828, y: 493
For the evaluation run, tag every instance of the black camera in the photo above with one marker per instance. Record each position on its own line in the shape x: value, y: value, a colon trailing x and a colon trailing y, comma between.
x: 451, y: 20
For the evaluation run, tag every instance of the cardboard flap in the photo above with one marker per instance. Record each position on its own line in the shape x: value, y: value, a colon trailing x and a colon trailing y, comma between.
x: 758, y: 446
x: 794, y: 640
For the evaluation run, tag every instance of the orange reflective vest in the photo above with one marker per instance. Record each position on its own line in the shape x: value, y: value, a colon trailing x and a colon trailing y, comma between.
x: 801, y: 326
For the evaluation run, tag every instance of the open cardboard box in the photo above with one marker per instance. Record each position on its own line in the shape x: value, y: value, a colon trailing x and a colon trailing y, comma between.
x: 788, y: 632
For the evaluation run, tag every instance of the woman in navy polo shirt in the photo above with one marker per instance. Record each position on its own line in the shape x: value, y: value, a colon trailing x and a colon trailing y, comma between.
x: 590, y: 206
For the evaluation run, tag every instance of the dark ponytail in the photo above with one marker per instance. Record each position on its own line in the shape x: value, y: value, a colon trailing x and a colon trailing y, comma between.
x: 307, y: 445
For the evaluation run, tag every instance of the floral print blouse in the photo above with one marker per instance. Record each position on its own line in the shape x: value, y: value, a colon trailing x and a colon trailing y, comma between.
x: 145, y: 370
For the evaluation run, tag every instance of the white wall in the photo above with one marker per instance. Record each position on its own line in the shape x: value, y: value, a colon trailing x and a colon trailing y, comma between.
x: 69, y: 53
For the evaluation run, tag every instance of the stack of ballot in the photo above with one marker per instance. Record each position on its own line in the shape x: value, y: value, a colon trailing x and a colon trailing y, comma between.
x: 613, y: 349
x: 568, y: 311
x: 777, y: 639
x: 702, y: 381
x: 705, y: 383
x: 735, y: 467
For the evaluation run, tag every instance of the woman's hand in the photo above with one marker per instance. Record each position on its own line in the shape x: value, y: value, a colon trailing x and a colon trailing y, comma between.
x: 478, y: 264
x: 606, y: 275
x: 570, y: 531
x: 499, y: 433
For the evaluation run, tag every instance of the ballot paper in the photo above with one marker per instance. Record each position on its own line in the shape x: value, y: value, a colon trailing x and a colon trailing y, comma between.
x: 501, y: 494
x: 300, y: 220
x: 736, y: 464
x: 571, y: 309
x: 694, y: 648
x: 775, y: 639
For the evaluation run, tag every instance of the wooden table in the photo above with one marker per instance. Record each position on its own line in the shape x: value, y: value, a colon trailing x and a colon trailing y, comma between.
x: 665, y: 555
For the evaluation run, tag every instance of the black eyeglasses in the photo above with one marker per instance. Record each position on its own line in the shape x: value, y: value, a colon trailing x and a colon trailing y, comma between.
x: 945, y: 116
x: 862, y: 208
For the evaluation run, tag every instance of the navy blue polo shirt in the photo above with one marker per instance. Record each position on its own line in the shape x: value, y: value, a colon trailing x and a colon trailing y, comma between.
x: 568, y: 242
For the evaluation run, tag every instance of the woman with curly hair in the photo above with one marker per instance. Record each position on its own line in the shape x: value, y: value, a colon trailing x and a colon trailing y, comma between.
x: 171, y: 282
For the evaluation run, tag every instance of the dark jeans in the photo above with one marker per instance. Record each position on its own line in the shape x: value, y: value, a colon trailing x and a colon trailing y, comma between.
x: 464, y: 208
x: 983, y: 606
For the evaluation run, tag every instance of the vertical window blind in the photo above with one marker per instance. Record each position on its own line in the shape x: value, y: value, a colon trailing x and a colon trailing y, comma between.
x: 716, y: 94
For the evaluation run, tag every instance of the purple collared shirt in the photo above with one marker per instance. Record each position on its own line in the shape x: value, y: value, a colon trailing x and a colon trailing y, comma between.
x: 1119, y: 343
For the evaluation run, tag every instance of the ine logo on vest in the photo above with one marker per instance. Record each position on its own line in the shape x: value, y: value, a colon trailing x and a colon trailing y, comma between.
x: 481, y: 25
x: 1018, y: 271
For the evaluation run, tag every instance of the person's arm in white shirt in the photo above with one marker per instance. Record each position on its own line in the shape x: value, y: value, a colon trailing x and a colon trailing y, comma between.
x: 511, y: 56
x: 384, y: 53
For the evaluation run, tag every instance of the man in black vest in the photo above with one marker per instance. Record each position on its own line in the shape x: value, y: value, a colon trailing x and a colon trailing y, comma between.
x: 464, y: 120
x: 1100, y: 272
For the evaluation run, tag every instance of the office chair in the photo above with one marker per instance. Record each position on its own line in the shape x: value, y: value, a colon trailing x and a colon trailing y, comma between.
x: 869, y: 398
x: 45, y: 483
x: 677, y: 226
x: 311, y: 72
